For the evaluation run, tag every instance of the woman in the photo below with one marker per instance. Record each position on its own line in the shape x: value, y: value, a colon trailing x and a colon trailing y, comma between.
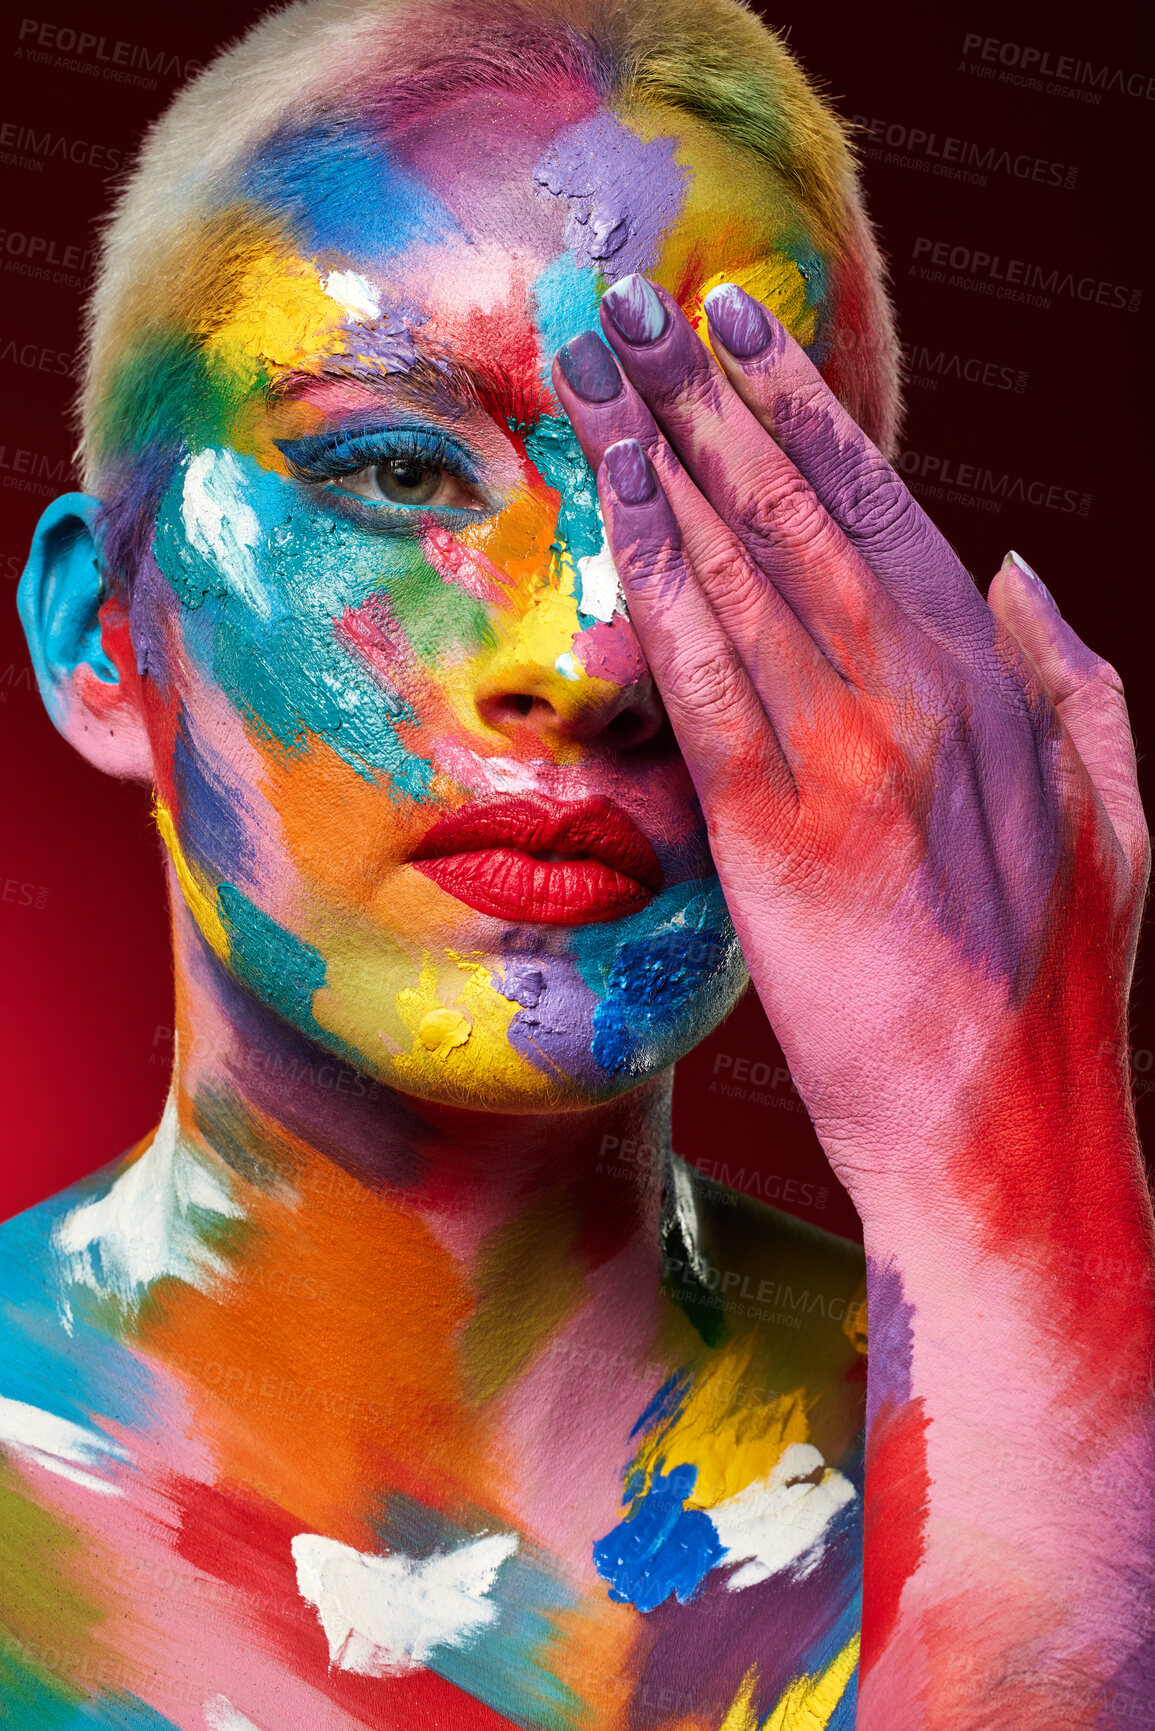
x: 523, y: 637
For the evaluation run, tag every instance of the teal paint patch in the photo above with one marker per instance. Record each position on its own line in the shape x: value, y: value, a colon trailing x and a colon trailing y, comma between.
x: 566, y: 299
x: 266, y: 633
x: 553, y: 449
x: 278, y: 967
x: 294, y: 679
x: 193, y: 577
x: 506, y: 1664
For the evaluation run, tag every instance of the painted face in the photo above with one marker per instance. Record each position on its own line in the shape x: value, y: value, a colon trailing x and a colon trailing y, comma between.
x: 417, y: 786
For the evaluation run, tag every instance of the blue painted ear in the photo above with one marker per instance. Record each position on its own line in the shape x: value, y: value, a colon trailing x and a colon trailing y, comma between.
x: 59, y: 599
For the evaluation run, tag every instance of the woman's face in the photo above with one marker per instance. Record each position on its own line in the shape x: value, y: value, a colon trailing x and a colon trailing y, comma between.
x: 416, y: 782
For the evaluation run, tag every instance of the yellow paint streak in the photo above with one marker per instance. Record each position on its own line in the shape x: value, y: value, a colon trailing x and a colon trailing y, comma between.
x: 202, y: 902
x: 741, y: 1716
x: 776, y: 282
x: 282, y: 316
x: 462, y: 1012
x: 731, y: 1443
x: 808, y: 1702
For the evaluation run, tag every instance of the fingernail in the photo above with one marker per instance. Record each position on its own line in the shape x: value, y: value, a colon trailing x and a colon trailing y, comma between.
x: 739, y: 320
x: 590, y: 369
x: 630, y: 475
x: 1017, y: 559
x: 636, y: 309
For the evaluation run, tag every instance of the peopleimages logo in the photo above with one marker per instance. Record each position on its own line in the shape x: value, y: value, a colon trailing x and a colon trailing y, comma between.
x: 929, y: 152
x: 930, y: 476
x: 1016, y: 279
x: 1018, y: 63
x: 46, y: 44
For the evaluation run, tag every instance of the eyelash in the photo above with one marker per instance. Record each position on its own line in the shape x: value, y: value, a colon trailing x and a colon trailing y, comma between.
x: 324, y: 458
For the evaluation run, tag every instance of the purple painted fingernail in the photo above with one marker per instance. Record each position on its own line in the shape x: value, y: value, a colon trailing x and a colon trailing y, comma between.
x: 1020, y: 562
x: 738, y: 320
x: 630, y: 475
x: 636, y: 309
x: 590, y: 369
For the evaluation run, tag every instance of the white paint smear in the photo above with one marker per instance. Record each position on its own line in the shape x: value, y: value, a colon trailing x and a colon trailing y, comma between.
x: 383, y: 1616
x: 775, y: 1524
x: 353, y: 292
x: 221, y: 525
x: 601, y: 595
x: 221, y: 1715
x: 141, y: 1230
x: 566, y: 666
x: 70, y: 1450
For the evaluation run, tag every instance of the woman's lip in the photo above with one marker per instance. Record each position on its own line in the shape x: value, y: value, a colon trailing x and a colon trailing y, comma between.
x: 598, y: 865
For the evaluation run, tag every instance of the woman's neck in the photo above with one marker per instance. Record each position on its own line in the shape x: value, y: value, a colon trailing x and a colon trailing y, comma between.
x: 282, y: 1112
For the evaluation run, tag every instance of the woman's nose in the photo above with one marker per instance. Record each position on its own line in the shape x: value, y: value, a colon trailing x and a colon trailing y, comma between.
x: 598, y: 693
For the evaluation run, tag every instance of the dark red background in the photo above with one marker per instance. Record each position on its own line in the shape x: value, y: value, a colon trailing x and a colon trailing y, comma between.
x: 82, y: 921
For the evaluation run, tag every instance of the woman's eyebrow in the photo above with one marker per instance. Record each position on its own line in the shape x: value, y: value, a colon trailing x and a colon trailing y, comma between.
x: 448, y: 388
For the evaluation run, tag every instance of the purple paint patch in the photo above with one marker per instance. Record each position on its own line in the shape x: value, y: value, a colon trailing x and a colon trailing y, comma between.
x: 699, y: 1654
x: 554, y: 1029
x: 624, y: 193
x: 891, y: 1339
x: 610, y: 650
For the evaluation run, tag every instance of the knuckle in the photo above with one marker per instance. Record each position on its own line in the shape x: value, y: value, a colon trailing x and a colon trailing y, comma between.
x: 706, y: 678
x: 879, y: 504
x: 785, y: 503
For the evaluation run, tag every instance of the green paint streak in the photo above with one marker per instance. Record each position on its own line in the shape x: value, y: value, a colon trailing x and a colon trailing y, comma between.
x: 526, y: 1291
x: 41, y: 1608
x: 261, y: 1158
x: 434, y: 614
x: 165, y: 392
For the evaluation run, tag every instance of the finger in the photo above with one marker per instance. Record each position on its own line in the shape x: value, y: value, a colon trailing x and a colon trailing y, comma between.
x: 720, y: 724
x: 604, y: 409
x: 1087, y: 694
x: 751, y: 484
x: 871, y: 504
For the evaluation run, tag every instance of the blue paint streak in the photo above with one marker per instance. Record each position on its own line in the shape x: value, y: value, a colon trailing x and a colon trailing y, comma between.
x: 656, y: 984
x: 661, y: 1547
x: 665, y: 1403
x: 340, y: 189
x: 73, y: 1376
x: 566, y: 302
x: 211, y: 816
x: 506, y: 1663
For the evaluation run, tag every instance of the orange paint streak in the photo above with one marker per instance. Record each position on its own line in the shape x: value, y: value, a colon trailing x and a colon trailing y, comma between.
x: 326, y: 1372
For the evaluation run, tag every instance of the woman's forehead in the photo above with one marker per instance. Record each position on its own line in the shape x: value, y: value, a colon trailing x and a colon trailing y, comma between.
x: 486, y: 229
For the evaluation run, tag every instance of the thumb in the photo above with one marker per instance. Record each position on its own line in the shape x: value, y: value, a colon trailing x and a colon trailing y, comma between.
x: 1087, y: 694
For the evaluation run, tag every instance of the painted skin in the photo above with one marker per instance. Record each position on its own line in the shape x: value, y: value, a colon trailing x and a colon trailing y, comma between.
x: 315, y: 695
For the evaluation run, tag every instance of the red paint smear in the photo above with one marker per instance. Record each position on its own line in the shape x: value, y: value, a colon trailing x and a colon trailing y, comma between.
x: 894, y: 1519
x: 242, y: 1539
x: 1052, y: 1163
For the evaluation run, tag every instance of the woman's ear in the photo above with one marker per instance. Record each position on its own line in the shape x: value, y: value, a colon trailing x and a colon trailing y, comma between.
x: 84, y: 662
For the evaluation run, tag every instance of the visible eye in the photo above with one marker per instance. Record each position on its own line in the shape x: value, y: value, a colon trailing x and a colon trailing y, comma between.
x: 411, y: 480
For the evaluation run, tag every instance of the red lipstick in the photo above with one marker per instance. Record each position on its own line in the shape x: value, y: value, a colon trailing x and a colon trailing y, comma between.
x: 548, y: 862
